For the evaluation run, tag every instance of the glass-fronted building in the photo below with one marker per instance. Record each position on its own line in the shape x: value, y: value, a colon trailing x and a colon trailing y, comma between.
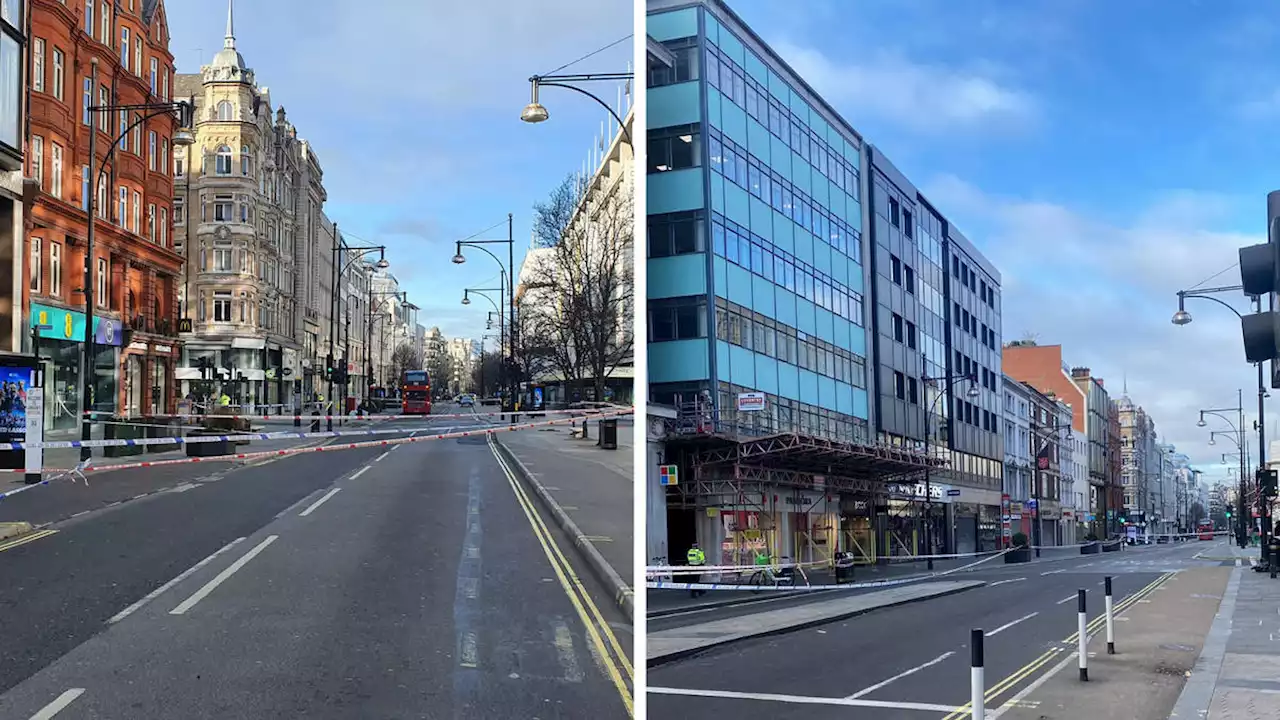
x: 798, y: 284
x: 755, y: 235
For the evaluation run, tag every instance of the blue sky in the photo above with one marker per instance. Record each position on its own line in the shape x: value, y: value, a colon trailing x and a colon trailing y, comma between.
x: 1104, y: 155
x: 414, y: 110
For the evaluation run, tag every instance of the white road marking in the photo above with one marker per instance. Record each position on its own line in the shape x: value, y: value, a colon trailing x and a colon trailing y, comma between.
x: 1052, y: 572
x: 1002, y: 582
x: 383, y: 455
x: 470, y: 654
x: 802, y: 699
x: 184, y: 487
x: 160, y: 590
x: 319, y: 502
x: 564, y: 650
x: 361, y: 471
x: 62, y: 701
x: 212, y: 585
x: 1066, y: 599
x: 899, y: 676
x: 1006, y: 626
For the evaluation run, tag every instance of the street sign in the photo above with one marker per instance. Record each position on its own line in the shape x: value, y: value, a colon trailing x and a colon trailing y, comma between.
x: 954, y: 492
x: 184, y: 325
x: 668, y: 475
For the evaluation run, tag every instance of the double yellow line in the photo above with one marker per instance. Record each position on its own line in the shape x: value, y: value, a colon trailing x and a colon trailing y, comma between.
x: 1052, y: 654
x: 24, y: 539
x: 611, y: 653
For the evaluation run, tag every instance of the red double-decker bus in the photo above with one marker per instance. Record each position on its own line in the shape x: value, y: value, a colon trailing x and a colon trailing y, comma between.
x: 1204, y: 530
x: 415, y: 392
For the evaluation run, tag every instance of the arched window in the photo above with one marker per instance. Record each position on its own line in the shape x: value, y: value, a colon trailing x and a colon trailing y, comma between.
x: 244, y: 160
x: 224, y: 160
x: 224, y: 111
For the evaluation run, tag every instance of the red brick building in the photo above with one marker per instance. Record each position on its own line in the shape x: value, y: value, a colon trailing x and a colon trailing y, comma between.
x: 135, y: 269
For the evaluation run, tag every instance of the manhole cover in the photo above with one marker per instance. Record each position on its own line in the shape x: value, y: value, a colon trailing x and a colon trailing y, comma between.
x: 1178, y: 648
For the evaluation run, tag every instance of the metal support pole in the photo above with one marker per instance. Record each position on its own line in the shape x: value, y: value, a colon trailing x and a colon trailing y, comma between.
x: 513, y: 376
x: 1111, y: 630
x: 977, y: 684
x: 1082, y: 641
x: 1262, y: 461
x: 89, y: 359
x: 1035, y: 488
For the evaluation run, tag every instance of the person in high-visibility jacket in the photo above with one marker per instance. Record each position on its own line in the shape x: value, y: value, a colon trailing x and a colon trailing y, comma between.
x: 224, y: 400
x: 696, y: 558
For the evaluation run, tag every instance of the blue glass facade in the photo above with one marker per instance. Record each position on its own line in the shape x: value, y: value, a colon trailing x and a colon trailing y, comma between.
x: 755, y: 238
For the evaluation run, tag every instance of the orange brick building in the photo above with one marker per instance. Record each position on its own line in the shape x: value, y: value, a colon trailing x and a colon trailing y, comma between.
x: 135, y: 269
x: 1093, y: 414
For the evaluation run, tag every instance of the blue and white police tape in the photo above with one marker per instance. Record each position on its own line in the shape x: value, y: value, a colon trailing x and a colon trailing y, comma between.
x: 192, y: 440
x: 783, y: 587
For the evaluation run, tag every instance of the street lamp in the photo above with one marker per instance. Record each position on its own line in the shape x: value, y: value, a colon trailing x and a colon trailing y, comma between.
x: 535, y: 112
x: 340, y: 250
x: 1182, y: 318
x: 1238, y: 439
x: 972, y: 392
x: 182, y: 138
x: 459, y: 258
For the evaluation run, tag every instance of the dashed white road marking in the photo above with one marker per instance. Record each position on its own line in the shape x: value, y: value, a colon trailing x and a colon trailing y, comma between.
x: 221, y: 577
x: 383, y: 455
x: 564, y: 650
x: 899, y: 676
x: 361, y: 471
x: 319, y: 502
x: 160, y: 590
x: 1008, y: 625
x: 59, y: 704
x: 802, y: 699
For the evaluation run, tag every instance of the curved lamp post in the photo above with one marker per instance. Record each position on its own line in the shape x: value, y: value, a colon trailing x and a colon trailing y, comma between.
x: 535, y: 112
x: 182, y: 137
x: 459, y: 258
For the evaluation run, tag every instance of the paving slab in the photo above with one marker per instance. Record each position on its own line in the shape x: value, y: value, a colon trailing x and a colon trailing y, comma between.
x: 674, y: 643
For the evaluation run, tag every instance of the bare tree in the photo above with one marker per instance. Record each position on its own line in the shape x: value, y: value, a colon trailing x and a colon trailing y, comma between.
x: 440, y: 370
x: 403, y: 358
x: 585, y: 286
x: 486, y: 373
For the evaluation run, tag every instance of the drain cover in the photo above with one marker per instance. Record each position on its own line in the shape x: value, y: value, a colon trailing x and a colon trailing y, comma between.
x: 1178, y: 648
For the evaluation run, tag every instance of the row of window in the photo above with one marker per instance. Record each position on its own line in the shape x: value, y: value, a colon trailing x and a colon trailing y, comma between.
x: 906, y: 388
x: 159, y: 76
x: 971, y: 414
x: 684, y: 52
x: 902, y: 274
x: 969, y: 367
x: 752, y: 252
x: 102, y: 297
x: 969, y: 279
x: 904, y: 331
x: 132, y: 140
x: 746, y: 171
x: 969, y: 323
x: 900, y: 217
x: 785, y: 415
x: 740, y: 326
x: 744, y: 91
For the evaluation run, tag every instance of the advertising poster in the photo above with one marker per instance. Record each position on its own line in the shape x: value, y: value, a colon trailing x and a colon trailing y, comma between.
x: 14, y: 385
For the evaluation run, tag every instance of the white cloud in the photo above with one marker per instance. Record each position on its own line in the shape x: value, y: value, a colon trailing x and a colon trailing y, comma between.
x: 1106, y: 290
x: 926, y: 98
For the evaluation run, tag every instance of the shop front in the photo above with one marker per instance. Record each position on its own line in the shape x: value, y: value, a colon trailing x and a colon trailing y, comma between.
x: 60, y: 345
x: 147, y: 369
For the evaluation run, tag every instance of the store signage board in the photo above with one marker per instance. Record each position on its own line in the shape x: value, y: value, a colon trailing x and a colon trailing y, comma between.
x: 63, y: 324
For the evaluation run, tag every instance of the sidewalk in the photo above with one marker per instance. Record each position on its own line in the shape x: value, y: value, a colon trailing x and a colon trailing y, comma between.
x: 589, y: 491
x: 68, y: 496
x: 675, y: 643
x: 1239, y: 675
x: 1157, y: 640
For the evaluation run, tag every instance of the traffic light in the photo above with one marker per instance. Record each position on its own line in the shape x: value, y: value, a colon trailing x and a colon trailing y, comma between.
x: 1260, y: 275
x: 1267, y: 482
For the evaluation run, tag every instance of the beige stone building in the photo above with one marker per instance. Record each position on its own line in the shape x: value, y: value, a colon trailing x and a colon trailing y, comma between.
x: 250, y: 196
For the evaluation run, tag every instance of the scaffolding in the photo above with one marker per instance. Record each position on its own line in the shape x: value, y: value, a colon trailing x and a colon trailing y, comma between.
x: 729, y: 468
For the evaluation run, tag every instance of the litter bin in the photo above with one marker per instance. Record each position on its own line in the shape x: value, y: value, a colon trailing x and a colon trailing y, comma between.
x: 609, y: 434
x: 844, y: 567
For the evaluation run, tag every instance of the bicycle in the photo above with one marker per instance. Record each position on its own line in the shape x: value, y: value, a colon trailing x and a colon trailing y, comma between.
x: 784, y: 576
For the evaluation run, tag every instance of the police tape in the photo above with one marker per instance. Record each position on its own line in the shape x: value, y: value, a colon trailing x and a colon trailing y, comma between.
x: 898, y: 559
x: 767, y: 584
x: 370, y: 417
x: 197, y: 439
x: 86, y: 467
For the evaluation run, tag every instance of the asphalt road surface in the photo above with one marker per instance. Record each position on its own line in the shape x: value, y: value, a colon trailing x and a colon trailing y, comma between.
x: 417, y: 581
x: 912, y: 661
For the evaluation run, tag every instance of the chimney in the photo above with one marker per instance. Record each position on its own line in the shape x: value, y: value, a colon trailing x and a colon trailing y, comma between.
x: 1079, y: 372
